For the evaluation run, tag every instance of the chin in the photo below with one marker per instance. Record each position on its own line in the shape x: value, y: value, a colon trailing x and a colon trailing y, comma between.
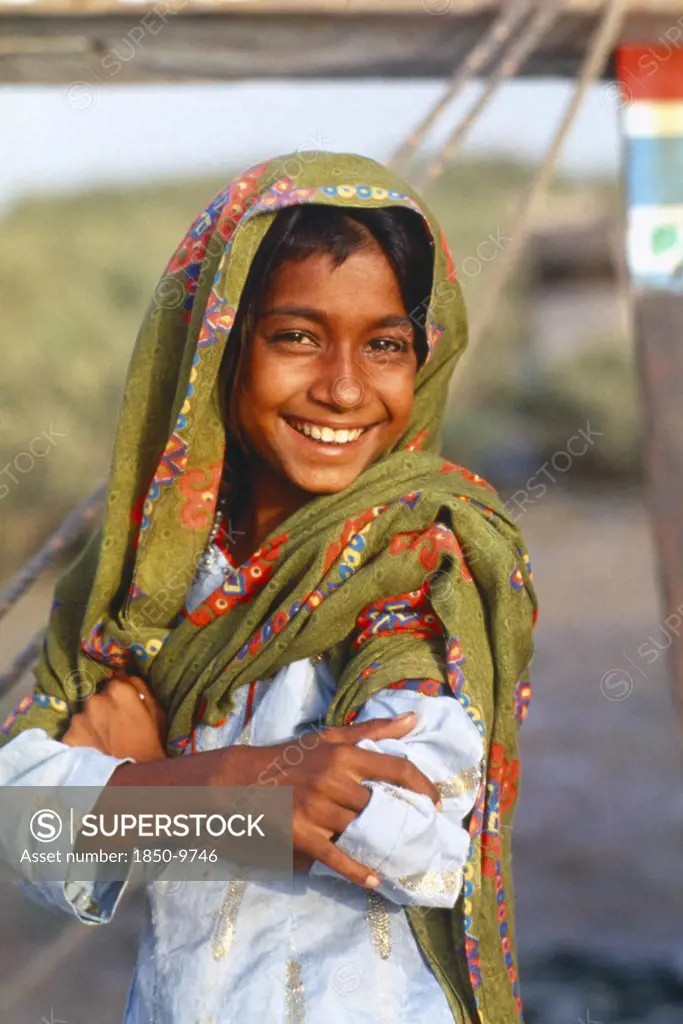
x: 329, y: 481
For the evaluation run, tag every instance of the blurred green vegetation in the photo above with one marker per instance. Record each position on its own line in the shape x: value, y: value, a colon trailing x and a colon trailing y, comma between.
x: 77, y: 272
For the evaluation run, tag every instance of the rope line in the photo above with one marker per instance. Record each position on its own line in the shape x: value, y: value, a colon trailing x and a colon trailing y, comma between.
x: 599, y: 50
x: 509, y: 64
x: 22, y: 662
x: 483, y: 52
x: 67, y: 534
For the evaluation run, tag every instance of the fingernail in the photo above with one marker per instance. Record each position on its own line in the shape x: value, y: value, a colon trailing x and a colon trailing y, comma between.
x: 405, y: 715
x: 439, y: 805
x: 372, y: 881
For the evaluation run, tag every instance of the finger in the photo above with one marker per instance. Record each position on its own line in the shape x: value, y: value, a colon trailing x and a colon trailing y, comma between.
x: 330, y: 816
x: 126, y: 690
x: 301, y: 863
x: 151, y: 703
x: 375, y: 729
x: 327, y: 853
x: 397, y: 770
x: 96, y: 709
x: 79, y: 734
x: 347, y: 792
x: 143, y: 690
x: 72, y: 735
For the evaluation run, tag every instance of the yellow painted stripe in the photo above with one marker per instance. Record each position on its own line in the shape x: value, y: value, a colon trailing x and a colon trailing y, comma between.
x: 649, y: 120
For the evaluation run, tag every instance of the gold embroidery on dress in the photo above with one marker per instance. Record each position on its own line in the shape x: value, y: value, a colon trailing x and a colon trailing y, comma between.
x: 397, y: 793
x: 296, y: 1008
x: 467, y: 779
x: 380, y: 925
x: 226, y: 924
x: 433, y: 883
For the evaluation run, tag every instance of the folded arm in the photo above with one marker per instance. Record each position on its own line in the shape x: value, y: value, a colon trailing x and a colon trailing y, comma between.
x: 418, y: 851
x: 33, y: 759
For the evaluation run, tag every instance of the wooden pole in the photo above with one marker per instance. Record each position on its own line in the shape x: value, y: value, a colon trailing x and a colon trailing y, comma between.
x: 651, y: 82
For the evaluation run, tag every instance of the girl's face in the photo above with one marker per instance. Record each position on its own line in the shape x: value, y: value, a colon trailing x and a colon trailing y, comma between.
x: 330, y: 370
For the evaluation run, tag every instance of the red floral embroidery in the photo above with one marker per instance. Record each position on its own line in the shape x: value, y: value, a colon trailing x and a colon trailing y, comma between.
x: 451, y: 273
x: 198, y: 488
x: 417, y: 443
x: 467, y: 474
x: 406, y: 613
x: 430, y: 687
x: 506, y: 774
x: 351, y: 527
x: 137, y: 512
x: 240, y: 586
x: 191, y: 250
x: 491, y: 847
x: 427, y: 543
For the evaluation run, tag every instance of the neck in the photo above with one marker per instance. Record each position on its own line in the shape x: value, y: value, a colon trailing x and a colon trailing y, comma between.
x: 260, y: 505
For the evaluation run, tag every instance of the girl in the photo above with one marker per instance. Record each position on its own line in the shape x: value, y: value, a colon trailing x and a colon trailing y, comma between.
x: 283, y: 548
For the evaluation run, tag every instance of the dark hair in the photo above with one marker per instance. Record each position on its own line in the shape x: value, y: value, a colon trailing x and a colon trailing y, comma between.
x: 302, y: 231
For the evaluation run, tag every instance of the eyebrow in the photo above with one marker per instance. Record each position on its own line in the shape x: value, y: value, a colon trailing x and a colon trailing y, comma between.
x: 315, y: 314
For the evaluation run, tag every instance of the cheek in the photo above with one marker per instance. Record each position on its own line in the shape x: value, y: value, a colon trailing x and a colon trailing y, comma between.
x: 267, y: 383
x: 259, y: 386
x: 398, y: 396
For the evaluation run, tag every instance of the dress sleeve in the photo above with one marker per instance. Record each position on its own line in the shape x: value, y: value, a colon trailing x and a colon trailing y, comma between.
x: 418, y: 852
x: 34, y: 759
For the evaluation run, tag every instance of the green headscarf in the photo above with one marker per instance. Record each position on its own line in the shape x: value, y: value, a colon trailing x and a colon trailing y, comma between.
x: 120, y: 606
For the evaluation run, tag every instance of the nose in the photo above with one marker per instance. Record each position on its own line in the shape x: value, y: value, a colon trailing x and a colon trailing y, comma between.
x: 338, y: 383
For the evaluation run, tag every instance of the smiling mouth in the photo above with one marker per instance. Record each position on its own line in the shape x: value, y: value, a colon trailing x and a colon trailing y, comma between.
x: 335, y: 437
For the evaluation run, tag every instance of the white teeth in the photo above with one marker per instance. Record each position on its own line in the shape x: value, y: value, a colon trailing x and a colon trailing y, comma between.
x: 326, y: 434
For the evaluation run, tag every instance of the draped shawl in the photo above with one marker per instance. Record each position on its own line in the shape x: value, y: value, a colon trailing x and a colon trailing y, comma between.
x: 410, y: 518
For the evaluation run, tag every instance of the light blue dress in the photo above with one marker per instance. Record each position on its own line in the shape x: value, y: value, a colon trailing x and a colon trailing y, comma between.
x: 315, y: 949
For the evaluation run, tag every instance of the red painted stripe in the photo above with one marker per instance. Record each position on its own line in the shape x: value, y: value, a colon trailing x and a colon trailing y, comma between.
x: 653, y: 72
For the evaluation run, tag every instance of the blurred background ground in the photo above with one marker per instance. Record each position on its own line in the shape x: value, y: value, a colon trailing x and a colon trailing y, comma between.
x: 598, y: 835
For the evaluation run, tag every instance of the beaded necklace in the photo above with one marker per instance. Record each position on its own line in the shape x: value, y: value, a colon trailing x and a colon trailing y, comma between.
x: 212, y: 552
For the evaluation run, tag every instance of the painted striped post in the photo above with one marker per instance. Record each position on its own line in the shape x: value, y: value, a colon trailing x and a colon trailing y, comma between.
x: 651, y: 79
x: 651, y: 89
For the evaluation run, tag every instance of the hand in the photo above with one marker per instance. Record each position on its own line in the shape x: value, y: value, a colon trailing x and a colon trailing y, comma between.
x: 326, y: 771
x: 123, y: 720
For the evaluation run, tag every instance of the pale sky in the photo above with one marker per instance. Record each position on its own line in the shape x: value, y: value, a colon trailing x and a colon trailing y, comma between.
x: 66, y: 138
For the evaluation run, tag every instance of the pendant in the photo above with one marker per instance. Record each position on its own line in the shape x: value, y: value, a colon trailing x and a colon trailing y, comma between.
x: 208, y: 560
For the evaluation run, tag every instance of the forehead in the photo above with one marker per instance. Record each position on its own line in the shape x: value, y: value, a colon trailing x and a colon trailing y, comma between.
x: 367, y: 273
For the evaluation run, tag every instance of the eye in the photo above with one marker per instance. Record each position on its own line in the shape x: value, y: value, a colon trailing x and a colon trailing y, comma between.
x: 295, y: 338
x: 388, y: 346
